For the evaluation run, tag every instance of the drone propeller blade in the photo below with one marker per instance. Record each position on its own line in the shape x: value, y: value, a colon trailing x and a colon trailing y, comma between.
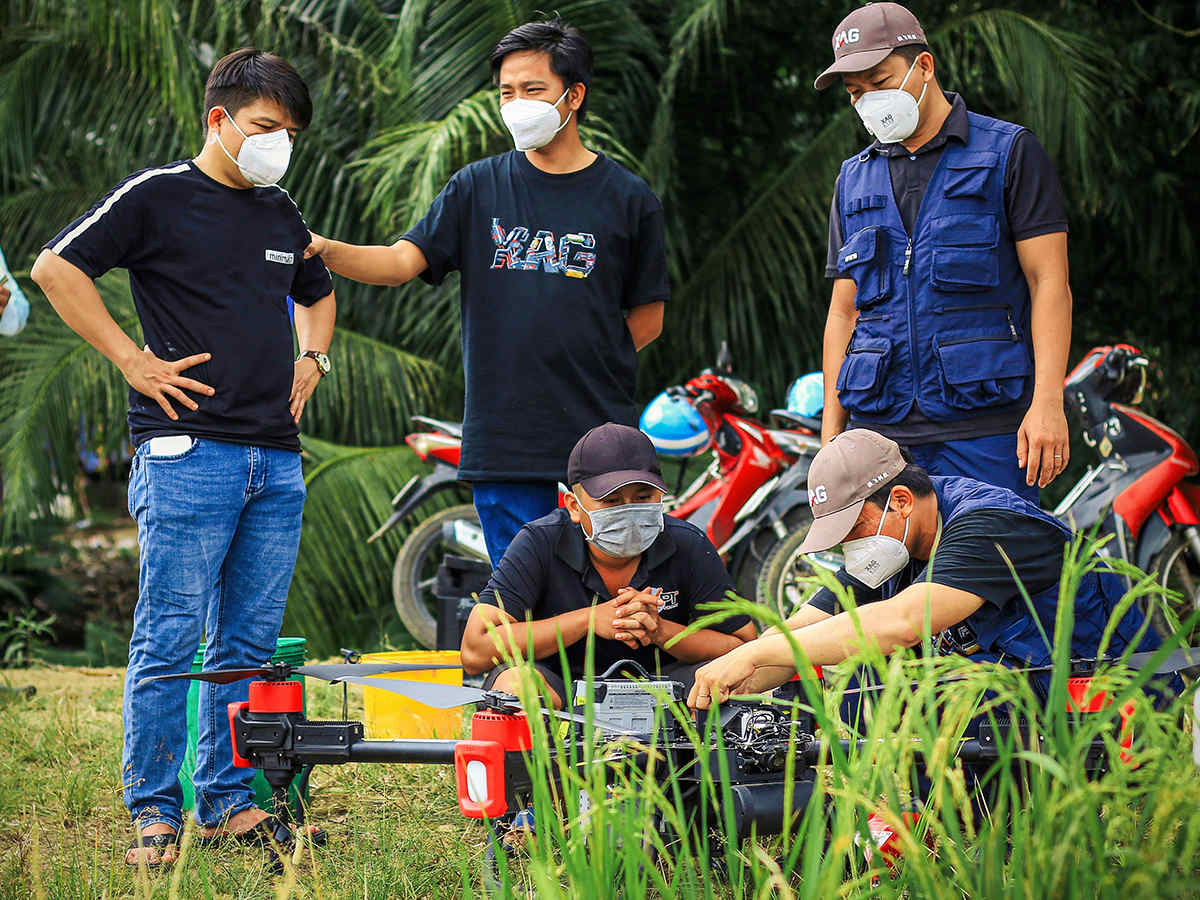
x: 216, y: 676
x: 338, y: 671
x: 439, y: 696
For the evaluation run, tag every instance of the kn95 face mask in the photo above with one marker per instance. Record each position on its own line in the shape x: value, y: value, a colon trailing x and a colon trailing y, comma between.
x: 878, y: 557
x: 891, y: 115
x: 263, y: 158
x: 533, y: 123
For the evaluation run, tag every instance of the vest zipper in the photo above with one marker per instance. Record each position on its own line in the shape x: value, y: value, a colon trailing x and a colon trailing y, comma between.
x: 907, y: 257
x: 973, y: 340
x: 1012, y: 327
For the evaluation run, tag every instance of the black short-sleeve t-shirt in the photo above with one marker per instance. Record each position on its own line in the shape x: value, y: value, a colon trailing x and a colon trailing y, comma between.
x: 546, y: 572
x: 550, y: 266
x: 210, y: 270
x: 968, y: 557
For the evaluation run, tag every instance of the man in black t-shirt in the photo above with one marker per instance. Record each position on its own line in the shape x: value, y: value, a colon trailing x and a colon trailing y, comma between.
x: 564, y: 277
x: 950, y: 318
x: 213, y: 248
x: 609, y: 567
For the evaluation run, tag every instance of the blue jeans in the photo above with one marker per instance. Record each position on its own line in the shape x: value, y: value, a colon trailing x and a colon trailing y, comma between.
x: 219, y: 528
x: 991, y: 459
x: 504, y: 506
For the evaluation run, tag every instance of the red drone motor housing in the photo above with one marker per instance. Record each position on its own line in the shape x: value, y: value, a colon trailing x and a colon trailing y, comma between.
x: 1082, y: 698
x: 479, y: 762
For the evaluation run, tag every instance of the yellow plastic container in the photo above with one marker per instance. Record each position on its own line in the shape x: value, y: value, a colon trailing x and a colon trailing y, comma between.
x: 387, y: 715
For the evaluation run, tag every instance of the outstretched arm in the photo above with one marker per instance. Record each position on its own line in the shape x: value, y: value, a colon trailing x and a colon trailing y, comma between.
x: 371, y: 264
x: 890, y: 624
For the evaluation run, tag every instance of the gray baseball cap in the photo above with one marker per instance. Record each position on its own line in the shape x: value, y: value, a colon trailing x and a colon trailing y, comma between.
x: 867, y: 36
x: 844, y: 473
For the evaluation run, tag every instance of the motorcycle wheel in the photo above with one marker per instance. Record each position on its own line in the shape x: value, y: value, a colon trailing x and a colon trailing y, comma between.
x: 1176, y: 568
x: 780, y: 580
x: 414, y: 576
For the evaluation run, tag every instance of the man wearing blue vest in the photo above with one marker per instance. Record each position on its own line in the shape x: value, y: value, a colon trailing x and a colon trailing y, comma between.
x: 950, y: 318
x: 889, y: 515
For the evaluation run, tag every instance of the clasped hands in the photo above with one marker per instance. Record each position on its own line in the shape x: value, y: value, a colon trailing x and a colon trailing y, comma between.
x: 631, y: 617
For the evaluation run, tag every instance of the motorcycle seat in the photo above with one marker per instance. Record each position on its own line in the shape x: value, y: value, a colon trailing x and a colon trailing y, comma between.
x: 454, y: 429
x: 796, y: 420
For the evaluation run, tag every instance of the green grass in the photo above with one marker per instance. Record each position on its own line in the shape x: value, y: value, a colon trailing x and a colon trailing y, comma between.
x: 396, y: 832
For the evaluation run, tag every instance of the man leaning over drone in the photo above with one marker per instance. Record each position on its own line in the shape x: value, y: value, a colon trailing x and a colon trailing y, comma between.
x: 889, y: 516
x: 609, y: 565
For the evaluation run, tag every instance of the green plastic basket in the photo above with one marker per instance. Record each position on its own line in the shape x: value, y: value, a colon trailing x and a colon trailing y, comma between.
x: 290, y: 650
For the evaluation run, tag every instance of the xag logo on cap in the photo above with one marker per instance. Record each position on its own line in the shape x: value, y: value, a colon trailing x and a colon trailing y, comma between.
x: 849, y: 36
x: 819, y: 494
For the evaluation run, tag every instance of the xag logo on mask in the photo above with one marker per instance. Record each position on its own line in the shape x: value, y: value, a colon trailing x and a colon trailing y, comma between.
x: 850, y: 36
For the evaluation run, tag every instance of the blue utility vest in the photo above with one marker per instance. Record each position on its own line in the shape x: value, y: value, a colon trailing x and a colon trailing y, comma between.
x: 943, y: 314
x: 1017, y: 639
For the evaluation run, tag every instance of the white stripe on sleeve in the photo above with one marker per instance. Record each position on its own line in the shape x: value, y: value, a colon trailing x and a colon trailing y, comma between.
x: 113, y: 198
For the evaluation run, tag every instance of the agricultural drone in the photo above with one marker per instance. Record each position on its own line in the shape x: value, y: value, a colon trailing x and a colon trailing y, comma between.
x: 763, y: 742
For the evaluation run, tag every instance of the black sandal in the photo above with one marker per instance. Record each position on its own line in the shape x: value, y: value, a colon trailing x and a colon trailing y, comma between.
x: 159, y: 842
x: 261, y: 834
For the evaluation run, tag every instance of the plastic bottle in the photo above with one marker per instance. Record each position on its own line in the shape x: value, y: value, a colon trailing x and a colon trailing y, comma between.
x: 17, y: 310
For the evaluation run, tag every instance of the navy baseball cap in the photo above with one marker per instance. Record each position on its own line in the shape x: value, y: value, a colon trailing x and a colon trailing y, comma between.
x: 611, y: 456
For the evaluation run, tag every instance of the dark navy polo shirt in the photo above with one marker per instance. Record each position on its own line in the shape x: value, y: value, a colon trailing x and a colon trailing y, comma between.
x: 547, y: 571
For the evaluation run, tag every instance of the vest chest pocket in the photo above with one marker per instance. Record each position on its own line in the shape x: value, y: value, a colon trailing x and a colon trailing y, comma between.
x: 860, y: 382
x: 969, y: 177
x: 982, y: 371
x: 864, y: 258
x: 965, y: 253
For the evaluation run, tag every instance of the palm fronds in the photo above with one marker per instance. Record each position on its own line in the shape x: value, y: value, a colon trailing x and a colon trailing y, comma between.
x: 342, y: 585
x: 60, y: 397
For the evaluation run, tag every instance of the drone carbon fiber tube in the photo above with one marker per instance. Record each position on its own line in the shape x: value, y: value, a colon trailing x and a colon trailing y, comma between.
x: 403, y: 751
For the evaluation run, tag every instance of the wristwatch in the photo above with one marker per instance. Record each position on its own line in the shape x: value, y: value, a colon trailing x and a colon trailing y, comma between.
x: 319, y: 358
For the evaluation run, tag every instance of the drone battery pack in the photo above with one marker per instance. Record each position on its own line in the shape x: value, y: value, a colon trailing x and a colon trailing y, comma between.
x: 631, y: 705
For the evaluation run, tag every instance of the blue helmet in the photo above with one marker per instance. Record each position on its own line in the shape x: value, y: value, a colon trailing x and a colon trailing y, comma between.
x: 806, y: 396
x: 674, y: 427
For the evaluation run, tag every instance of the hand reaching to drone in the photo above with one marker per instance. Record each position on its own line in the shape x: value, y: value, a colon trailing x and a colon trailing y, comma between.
x: 735, y: 673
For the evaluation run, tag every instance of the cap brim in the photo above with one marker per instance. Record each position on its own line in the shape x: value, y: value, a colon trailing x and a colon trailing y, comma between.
x: 599, y: 486
x: 852, y: 62
x: 829, y: 531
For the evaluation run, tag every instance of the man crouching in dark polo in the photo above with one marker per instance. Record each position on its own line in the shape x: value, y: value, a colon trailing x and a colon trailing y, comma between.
x: 609, y: 564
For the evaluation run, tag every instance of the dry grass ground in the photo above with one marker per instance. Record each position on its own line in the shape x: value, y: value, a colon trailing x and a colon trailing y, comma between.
x: 395, y: 831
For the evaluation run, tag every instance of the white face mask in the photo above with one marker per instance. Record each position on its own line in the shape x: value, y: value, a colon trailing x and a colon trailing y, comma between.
x: 263, y: 158
x: 533, y: 123
x: 891, y: 115
x: 875, y: 559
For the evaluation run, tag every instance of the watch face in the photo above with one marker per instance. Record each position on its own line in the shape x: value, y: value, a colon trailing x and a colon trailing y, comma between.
x: 323, y: 362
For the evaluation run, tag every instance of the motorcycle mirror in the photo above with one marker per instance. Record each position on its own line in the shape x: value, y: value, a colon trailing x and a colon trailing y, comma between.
x: 724, y: 359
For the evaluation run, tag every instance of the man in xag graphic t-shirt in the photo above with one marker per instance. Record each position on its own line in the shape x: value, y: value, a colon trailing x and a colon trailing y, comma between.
x: 213, y: 248
x: 564, y: 277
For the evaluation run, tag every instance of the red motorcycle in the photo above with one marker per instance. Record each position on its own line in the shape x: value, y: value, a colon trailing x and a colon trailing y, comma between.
x: 1139, y: 491
x: 749, y: 498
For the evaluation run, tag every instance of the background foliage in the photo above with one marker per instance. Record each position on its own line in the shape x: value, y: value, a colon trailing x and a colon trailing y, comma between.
x: 710, y: 100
